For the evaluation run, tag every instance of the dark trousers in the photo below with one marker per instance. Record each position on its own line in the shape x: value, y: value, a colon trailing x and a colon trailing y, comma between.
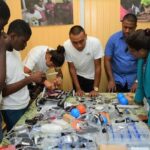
x: 120, y: 88
x: 85, y: 84
x: 35, y: 90
x: 12, y: 116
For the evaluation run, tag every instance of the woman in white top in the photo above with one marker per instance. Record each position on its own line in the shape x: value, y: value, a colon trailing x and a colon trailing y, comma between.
x: 41, y: 58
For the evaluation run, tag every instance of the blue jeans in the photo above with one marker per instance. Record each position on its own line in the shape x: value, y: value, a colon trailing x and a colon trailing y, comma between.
x: 12, y: 116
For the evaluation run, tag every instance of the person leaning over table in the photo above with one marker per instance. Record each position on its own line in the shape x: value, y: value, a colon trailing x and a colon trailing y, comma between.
x: 4, y: 17
x: 139, y: 46
x: 120, y: 65
x: 15, y: 93
x: 83, y: 54
x: 41, y: 58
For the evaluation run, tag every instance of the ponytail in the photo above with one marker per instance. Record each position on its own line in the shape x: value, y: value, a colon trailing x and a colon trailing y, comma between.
x: 58, y: 57
x: 60, y: 49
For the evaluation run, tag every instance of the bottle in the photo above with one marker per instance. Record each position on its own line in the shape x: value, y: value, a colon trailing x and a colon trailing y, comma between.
x: 75, y: 112
x: 122, y: 99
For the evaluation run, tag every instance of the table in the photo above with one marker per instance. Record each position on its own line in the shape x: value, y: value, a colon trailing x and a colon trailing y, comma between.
x: 100, y: 139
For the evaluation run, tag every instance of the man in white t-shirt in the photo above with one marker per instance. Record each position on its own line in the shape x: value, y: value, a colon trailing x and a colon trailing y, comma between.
x: 83, y: 54
x: 15, y: 93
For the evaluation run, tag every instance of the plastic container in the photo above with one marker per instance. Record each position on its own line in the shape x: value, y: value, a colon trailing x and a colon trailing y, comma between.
x: 75, y: 112
x: 122, y: 99
x: 81, y: 108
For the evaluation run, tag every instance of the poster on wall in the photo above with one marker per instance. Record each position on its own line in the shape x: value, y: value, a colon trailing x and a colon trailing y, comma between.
x: 141, y: 8
x: 47, y: 12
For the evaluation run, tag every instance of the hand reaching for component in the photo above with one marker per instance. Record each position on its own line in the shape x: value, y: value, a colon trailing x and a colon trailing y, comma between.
x: 79, y: 93
x: 93, y: 93
x: 111, y: 86
x: 37, y: 77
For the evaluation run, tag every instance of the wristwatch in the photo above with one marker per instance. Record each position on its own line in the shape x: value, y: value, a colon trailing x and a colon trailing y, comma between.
x: 96, y: 89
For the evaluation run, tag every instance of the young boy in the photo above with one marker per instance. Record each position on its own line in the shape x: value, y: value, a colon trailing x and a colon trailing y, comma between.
x: 15, y: 93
